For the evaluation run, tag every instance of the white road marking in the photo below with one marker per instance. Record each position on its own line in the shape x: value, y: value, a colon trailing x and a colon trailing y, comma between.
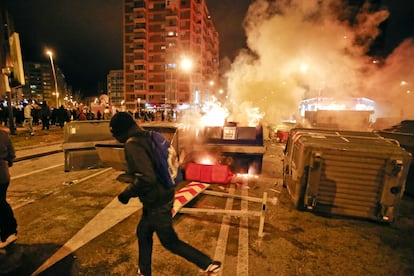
x: 111, y: 215
x: 243, y: 251
x: 37, y: 171
x: 74, y: 182
x: 224, y: 232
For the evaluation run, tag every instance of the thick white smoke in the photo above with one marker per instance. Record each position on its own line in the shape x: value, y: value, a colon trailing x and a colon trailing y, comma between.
x: 392, y: 85
x: 301, y: 49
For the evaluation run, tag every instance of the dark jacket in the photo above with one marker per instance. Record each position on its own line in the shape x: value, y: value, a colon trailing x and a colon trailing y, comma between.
x: 45, y: 111
x: 146, y: 185
x: 7, y: 156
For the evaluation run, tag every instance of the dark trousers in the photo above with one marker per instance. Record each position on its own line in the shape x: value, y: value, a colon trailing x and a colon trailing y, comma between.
x: 8, y: 224
x: 45, y: 123
x: 160, y: 221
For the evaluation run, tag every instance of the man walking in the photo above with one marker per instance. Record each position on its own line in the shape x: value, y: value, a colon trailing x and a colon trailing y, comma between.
x: 156, y: 198
x: 8, y: 224
x: 28, y: 118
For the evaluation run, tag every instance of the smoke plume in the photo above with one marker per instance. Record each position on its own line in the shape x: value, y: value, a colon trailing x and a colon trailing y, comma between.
x: 302, y: 49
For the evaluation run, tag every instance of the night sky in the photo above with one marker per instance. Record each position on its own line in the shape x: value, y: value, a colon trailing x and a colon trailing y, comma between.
x: 86, y: 35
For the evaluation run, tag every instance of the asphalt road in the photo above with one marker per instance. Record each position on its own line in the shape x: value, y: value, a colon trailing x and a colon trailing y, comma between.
x: 71, y: 224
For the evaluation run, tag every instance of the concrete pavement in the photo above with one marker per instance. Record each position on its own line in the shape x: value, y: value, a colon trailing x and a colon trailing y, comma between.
x: 36, y: 151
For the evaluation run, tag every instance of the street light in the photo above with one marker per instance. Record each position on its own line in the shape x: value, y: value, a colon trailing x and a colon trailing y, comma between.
x: 50, y: 54
x: 211, y: 83
x: 187, y: 66
x: 139, y: 108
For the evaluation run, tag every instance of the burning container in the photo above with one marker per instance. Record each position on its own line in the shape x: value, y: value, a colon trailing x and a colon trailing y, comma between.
x: 357, y: 174
x: 241, y: 148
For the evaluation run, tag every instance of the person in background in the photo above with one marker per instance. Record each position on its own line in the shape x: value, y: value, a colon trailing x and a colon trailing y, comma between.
x: 157, y: 199
x: 8, y: 224
x: 45, y: 113
x: 28, y: 118
x: 62, y: 116
x: 107, y: 114
x: 98, y: 115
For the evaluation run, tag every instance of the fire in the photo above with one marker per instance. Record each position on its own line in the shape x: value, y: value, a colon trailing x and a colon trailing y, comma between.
x: 214, y: 114
x: 206, y: 160
x: 241, y: 177
x: 246, y: 114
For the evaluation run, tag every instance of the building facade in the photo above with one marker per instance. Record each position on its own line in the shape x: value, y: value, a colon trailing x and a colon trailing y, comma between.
x: 7, y: 28
x: 40, y: 84
x: 161, y: 35
x: 115, y: 88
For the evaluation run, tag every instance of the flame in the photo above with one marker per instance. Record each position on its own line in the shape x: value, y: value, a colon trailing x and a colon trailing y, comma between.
x: 214, y: 114
x: 206, y: 160
x: 246, y: 176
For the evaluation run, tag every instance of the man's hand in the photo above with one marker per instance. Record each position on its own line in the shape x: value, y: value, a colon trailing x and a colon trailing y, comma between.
x: 124, y: 197
x: 125, y: 178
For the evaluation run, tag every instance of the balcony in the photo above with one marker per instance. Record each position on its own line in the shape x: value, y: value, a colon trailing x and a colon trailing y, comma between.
x: 139, y: 6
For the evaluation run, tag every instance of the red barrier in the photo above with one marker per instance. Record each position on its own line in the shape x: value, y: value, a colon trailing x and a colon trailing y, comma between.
x: 219, y: 174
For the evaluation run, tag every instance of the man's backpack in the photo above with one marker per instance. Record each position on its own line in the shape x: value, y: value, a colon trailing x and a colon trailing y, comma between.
x: 166, y: 160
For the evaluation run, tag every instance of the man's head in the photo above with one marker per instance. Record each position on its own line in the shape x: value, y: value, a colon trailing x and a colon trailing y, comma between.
x: 120, y: 124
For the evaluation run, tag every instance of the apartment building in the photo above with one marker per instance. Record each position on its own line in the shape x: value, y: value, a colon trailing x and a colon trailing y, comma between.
x: 115, y: 88
x: 160, y: 36
x: 40, y: 84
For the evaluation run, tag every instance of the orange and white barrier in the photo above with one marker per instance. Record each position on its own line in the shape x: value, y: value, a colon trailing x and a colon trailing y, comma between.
x: 186, y: 194
x: 193, y: 189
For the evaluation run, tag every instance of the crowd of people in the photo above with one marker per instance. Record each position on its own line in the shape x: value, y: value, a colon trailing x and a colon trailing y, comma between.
x: 33, y: 114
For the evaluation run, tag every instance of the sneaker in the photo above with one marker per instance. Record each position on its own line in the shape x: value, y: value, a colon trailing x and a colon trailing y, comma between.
x: 214, y: 267
x: 139, y: 273
x: 10, y: 239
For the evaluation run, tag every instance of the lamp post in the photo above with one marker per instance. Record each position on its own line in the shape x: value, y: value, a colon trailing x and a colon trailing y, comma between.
x: 211, y: 83
x: 139, y: 108
x: 50, y: 54
x: 171, y: 88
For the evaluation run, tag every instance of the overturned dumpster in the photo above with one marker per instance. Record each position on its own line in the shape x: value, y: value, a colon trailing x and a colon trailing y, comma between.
x: 86, y: 142
x: 79, y: 141
x: 404, y: 133
x: 349, y: 173
x: 111, y: 154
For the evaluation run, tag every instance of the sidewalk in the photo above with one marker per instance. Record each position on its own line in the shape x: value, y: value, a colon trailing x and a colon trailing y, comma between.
x: 42, y: 143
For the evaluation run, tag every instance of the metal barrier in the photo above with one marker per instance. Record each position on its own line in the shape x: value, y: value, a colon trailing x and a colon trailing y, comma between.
x: 79, y: 141
x: 190, y: 191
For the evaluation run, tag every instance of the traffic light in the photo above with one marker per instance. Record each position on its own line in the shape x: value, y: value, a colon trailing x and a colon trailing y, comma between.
x: 17, y: 76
